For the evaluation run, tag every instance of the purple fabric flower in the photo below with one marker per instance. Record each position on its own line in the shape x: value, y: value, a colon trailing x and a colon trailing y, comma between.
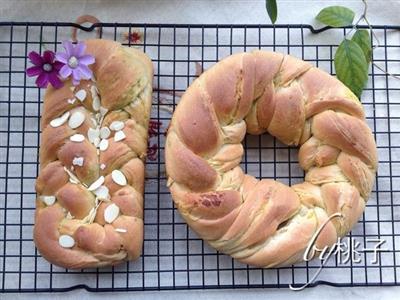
x: 46, y: 68
x: 75, y: 62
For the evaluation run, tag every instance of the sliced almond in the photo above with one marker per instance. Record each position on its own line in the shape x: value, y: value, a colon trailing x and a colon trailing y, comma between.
x: 60, y: 120
x: 72, y: 88
x: 99, y: 181
x: 103, y: 110
x: 102, y: 166
x: 96, y: 103
x: 48, y: 200
x: 91, y: 216
x: 121, y: 230
x: 76, y: 119
x: 66, y: 241
x: 103, y: 145
x: 96, y: 141
x: 111, y: 213
x: 94, y: 121
x: 94, y: 91
x: 77, y: 138
x: 105, y: 132
x: 72, y: 180
x: 117, y: 125
x: 119, y: 177
x: 102, y: 192
x: 119, y: 136
x: 72, y: 176
x: 81, y: 95
x: 71, y: 101
x: 78, y: 161
x: 93, y: 134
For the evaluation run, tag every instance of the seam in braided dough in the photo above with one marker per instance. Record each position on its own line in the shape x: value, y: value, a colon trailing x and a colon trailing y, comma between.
x: 265, y: 223
x: 89, y: 207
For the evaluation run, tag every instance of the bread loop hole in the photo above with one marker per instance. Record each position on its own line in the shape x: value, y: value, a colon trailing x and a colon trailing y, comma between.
x: 266, y: 157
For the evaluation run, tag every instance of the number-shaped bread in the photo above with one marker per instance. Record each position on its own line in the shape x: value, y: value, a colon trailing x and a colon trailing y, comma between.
x: 89, y: 207
x: 264, y: 222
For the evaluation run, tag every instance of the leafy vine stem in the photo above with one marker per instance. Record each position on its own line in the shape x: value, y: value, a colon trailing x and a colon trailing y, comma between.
x: 354, y: 54
x: 363, y: 17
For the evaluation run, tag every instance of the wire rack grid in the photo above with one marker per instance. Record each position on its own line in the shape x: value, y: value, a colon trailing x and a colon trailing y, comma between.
x: 173, y: 256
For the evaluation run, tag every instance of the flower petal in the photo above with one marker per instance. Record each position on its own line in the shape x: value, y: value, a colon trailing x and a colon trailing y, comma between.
x: 85, y: 71
x: 86, y: 59
x: 48, y: 56
x: 69, y: 48
x: 65, y: 71
x: 34, y: 71
x: 35, y: 58
x: 57, y: 65
x: 42, y: 80
x: 75, y: 82
x: 79, y: 49
x: 76, y: 74
x: 54, y: 80
x: 62, y: 57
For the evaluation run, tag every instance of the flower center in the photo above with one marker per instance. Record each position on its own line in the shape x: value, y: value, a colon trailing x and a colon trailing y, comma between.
x: 47, y: 67
x: 73, y: 62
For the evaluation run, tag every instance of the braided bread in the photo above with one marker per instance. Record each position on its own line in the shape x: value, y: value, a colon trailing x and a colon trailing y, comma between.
x: 263, y: 222
x: 89, y: 208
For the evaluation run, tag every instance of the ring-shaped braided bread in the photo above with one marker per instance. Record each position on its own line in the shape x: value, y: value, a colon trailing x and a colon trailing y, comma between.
x: 264, y: 222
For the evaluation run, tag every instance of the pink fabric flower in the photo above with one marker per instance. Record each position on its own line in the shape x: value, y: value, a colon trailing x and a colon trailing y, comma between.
x: 75, y: 62
x: 154, y: 128
x: 45, y: 68
x: 134, y: 37
x: 152, y: 152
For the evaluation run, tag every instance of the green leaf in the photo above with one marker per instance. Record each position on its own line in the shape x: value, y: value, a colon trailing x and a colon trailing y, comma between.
x: 351, y: 66
x: 336, y: 16
x: 272, y: 10
x: 363, y: 39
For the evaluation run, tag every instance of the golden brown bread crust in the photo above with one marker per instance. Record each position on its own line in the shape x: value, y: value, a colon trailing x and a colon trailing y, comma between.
x: 266, y: 223
x: 96, y: 234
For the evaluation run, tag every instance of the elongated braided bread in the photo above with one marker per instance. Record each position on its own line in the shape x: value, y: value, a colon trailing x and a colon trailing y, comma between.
x: 89, y: 209
x: 263, y: 222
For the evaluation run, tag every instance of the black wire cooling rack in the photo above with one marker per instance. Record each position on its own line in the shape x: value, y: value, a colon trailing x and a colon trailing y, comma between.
x: 173, y: 257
